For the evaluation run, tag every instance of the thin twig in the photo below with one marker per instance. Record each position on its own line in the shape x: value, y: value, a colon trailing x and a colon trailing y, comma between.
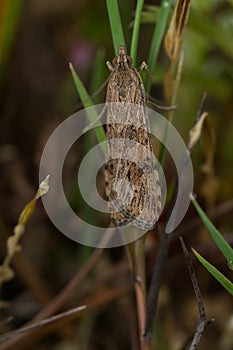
x: 203, y: 322
x: 155, y: 284
x: 42, y: 323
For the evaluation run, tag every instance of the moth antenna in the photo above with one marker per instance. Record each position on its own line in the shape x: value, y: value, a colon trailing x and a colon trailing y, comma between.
x: 151, y: 101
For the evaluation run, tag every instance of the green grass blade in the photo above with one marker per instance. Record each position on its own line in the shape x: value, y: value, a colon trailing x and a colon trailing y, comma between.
x: 96, y: 81
x: 216, y: 235
x: 83, y: 94
x: 157, y: 39
x: 87, y: 102
x: 136, y: 27
x: 115, y: 24
x: 97, y: 75
x: 225, y: 282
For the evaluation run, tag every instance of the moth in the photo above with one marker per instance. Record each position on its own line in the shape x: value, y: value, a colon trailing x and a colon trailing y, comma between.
x: 131, y: 177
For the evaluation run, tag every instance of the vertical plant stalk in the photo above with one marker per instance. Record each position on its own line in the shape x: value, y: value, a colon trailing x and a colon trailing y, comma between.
x: 157, y: 40
x: 173, y: 42
x: 115, y: 24
x: 172, y: 100
x: 153, y: 294
x: 136, y: 254
x: 135, y: 34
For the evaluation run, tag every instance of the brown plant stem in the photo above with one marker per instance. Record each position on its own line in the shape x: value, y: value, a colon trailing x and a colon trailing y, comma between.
x: 136, y: 253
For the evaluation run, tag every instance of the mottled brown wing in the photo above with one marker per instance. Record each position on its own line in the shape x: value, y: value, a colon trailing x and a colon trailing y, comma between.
x: 136, y: 187
x: 132, y: 189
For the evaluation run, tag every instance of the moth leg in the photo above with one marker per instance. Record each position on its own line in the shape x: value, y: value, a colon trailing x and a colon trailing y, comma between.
x: 143, y: 66
x: 89, y: 127
x: 110, y: 66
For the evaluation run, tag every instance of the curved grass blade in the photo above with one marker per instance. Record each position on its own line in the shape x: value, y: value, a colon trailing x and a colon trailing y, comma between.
x: 87, y: 102
x: 225, y: 282
x: 216, y: 235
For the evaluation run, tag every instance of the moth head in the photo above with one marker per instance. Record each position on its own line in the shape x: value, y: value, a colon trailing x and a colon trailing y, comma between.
x: 122, y: 58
